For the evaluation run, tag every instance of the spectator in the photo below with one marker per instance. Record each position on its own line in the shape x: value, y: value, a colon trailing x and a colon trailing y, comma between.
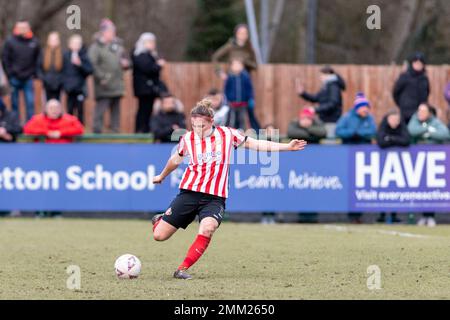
x: 168, y: 119
x: 425, y: 127
x: 392, y: 131
x: 221, y: 109
x: 20, y: 59
x: 329, y: 98
x: 239, y: 94
x: 107, y: 56
x: 146, y: 82
x: 239, y: 47
x: 4, y: 86
x: 358, y: 125
x: 412, y: 87
x: 307, y: 127
x: 56, y: 126
x: 9, y: 124
x: 76, y: 68
x: 50, y: 66
x: 447, y: 97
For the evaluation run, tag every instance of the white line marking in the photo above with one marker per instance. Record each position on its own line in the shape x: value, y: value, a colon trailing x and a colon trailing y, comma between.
x: 381, y: 231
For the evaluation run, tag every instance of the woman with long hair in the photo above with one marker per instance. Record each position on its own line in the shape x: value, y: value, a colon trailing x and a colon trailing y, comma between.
x: 51, y: 65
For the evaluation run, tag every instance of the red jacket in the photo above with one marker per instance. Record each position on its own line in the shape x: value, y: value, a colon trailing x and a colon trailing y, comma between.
x: 41, y: 125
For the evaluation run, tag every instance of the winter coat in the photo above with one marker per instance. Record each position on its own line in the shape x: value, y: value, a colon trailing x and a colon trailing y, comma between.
x: 162, y: 123
x: 146, y: 73
x: 232, y: 50
x: 108, y: 72
x: 447, y: 93
x: 411, y: 89
x: 433, y: 130
x: 10, y: 121
x: 239, y: 88
x: 312, y: 134
x: 389, y: 137
x: 20, y: 57
x: 329, y: 98
x: 52, y: 79
x: 41, y: 125
x: 74, y: 77
x: 353, y: 129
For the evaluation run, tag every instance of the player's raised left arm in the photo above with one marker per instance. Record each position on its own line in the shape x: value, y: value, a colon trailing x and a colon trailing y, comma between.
x: 264, y: 145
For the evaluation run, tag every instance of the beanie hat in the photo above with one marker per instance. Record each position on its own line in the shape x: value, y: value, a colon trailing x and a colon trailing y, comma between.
x: 106, y: 24
x: 307, y: 113
x: 360, y: 101
x: 417, y: 56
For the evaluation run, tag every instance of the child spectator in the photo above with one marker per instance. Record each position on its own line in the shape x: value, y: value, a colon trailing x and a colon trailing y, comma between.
x: 56, y: 126
x: 9, y: 124
x: 76, y: 68
x: 50, y: 66
x: 329, y: 98
x: 392, y: 131
x: 412, y: 87
x: 425, y: 127
x: 221, y: 109
x: 358, y: 125
x: 168, y: 119
x: 307, y: 127
x: 239, y: 94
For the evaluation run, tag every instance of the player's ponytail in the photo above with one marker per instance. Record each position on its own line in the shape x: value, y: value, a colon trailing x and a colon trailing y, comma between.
x: 203, y: 108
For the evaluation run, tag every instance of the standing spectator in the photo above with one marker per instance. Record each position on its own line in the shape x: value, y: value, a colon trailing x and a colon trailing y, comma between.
x: 425, y: 127
x: 358, y: 125
x: 392, y: 132
x: 20, y: 60
x: 239, y: 47
x: 168, y: 119
x: 55, y: 125
x: 50, y: 66
x: 76, y: 68
x: 221, y: 108
x: 329, y: 98
x: 4, y: 86
x: 146, y: 79
x: 307, y: 127
x: 412, y: 87
x: 239, y: 94
x: 107, y: 56
x: 9, y: 124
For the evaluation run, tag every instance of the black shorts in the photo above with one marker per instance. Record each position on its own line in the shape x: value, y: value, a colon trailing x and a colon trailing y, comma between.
x: 188, y: 204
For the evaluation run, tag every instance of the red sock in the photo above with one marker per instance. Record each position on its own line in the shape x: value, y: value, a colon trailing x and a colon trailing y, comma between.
x: 195, y: 251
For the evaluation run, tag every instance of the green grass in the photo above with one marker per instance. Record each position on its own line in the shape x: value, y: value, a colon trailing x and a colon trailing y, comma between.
x: 244, y: 261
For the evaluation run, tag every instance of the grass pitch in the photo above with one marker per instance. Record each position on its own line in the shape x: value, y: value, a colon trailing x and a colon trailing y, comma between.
x: 244, y: 261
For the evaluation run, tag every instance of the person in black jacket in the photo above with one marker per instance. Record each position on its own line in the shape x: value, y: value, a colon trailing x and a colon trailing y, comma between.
x: 412, y: 87
x: 50, y: 66
x: 392, y: 132
x: 329, y: 98
x: 146, y: 82
x: 20, y: 60
x: 76, y: 68
x: 168, y: 119
x: 9, y: 124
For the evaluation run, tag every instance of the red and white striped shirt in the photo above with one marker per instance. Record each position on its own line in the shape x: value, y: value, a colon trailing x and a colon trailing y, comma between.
x: 209, y: 160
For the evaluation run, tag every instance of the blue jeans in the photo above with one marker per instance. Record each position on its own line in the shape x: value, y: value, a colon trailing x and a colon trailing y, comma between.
x: 27, y: 87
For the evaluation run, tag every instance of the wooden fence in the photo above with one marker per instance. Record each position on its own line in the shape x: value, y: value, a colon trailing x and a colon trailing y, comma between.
x: 276, y: 99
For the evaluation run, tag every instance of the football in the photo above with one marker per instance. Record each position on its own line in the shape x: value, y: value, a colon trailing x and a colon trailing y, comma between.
x: 127, y: 266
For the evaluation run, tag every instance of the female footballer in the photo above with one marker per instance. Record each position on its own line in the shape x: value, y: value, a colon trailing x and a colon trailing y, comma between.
x: 204, y: 184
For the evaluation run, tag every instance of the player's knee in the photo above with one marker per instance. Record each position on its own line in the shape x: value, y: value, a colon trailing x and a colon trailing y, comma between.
x: 159, y: 236
x: 208, y: 228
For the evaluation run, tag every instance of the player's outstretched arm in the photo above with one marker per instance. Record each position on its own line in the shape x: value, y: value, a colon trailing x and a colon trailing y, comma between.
x: 264, y: 145
x: 173, y: 163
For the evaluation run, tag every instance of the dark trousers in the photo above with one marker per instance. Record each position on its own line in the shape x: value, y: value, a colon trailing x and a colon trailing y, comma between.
x: 75, y: 103
x: 253, y: 121
x: 236, y: 117
x: 27, y: 87
x: 53, y: 94
x: 144, y: 113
